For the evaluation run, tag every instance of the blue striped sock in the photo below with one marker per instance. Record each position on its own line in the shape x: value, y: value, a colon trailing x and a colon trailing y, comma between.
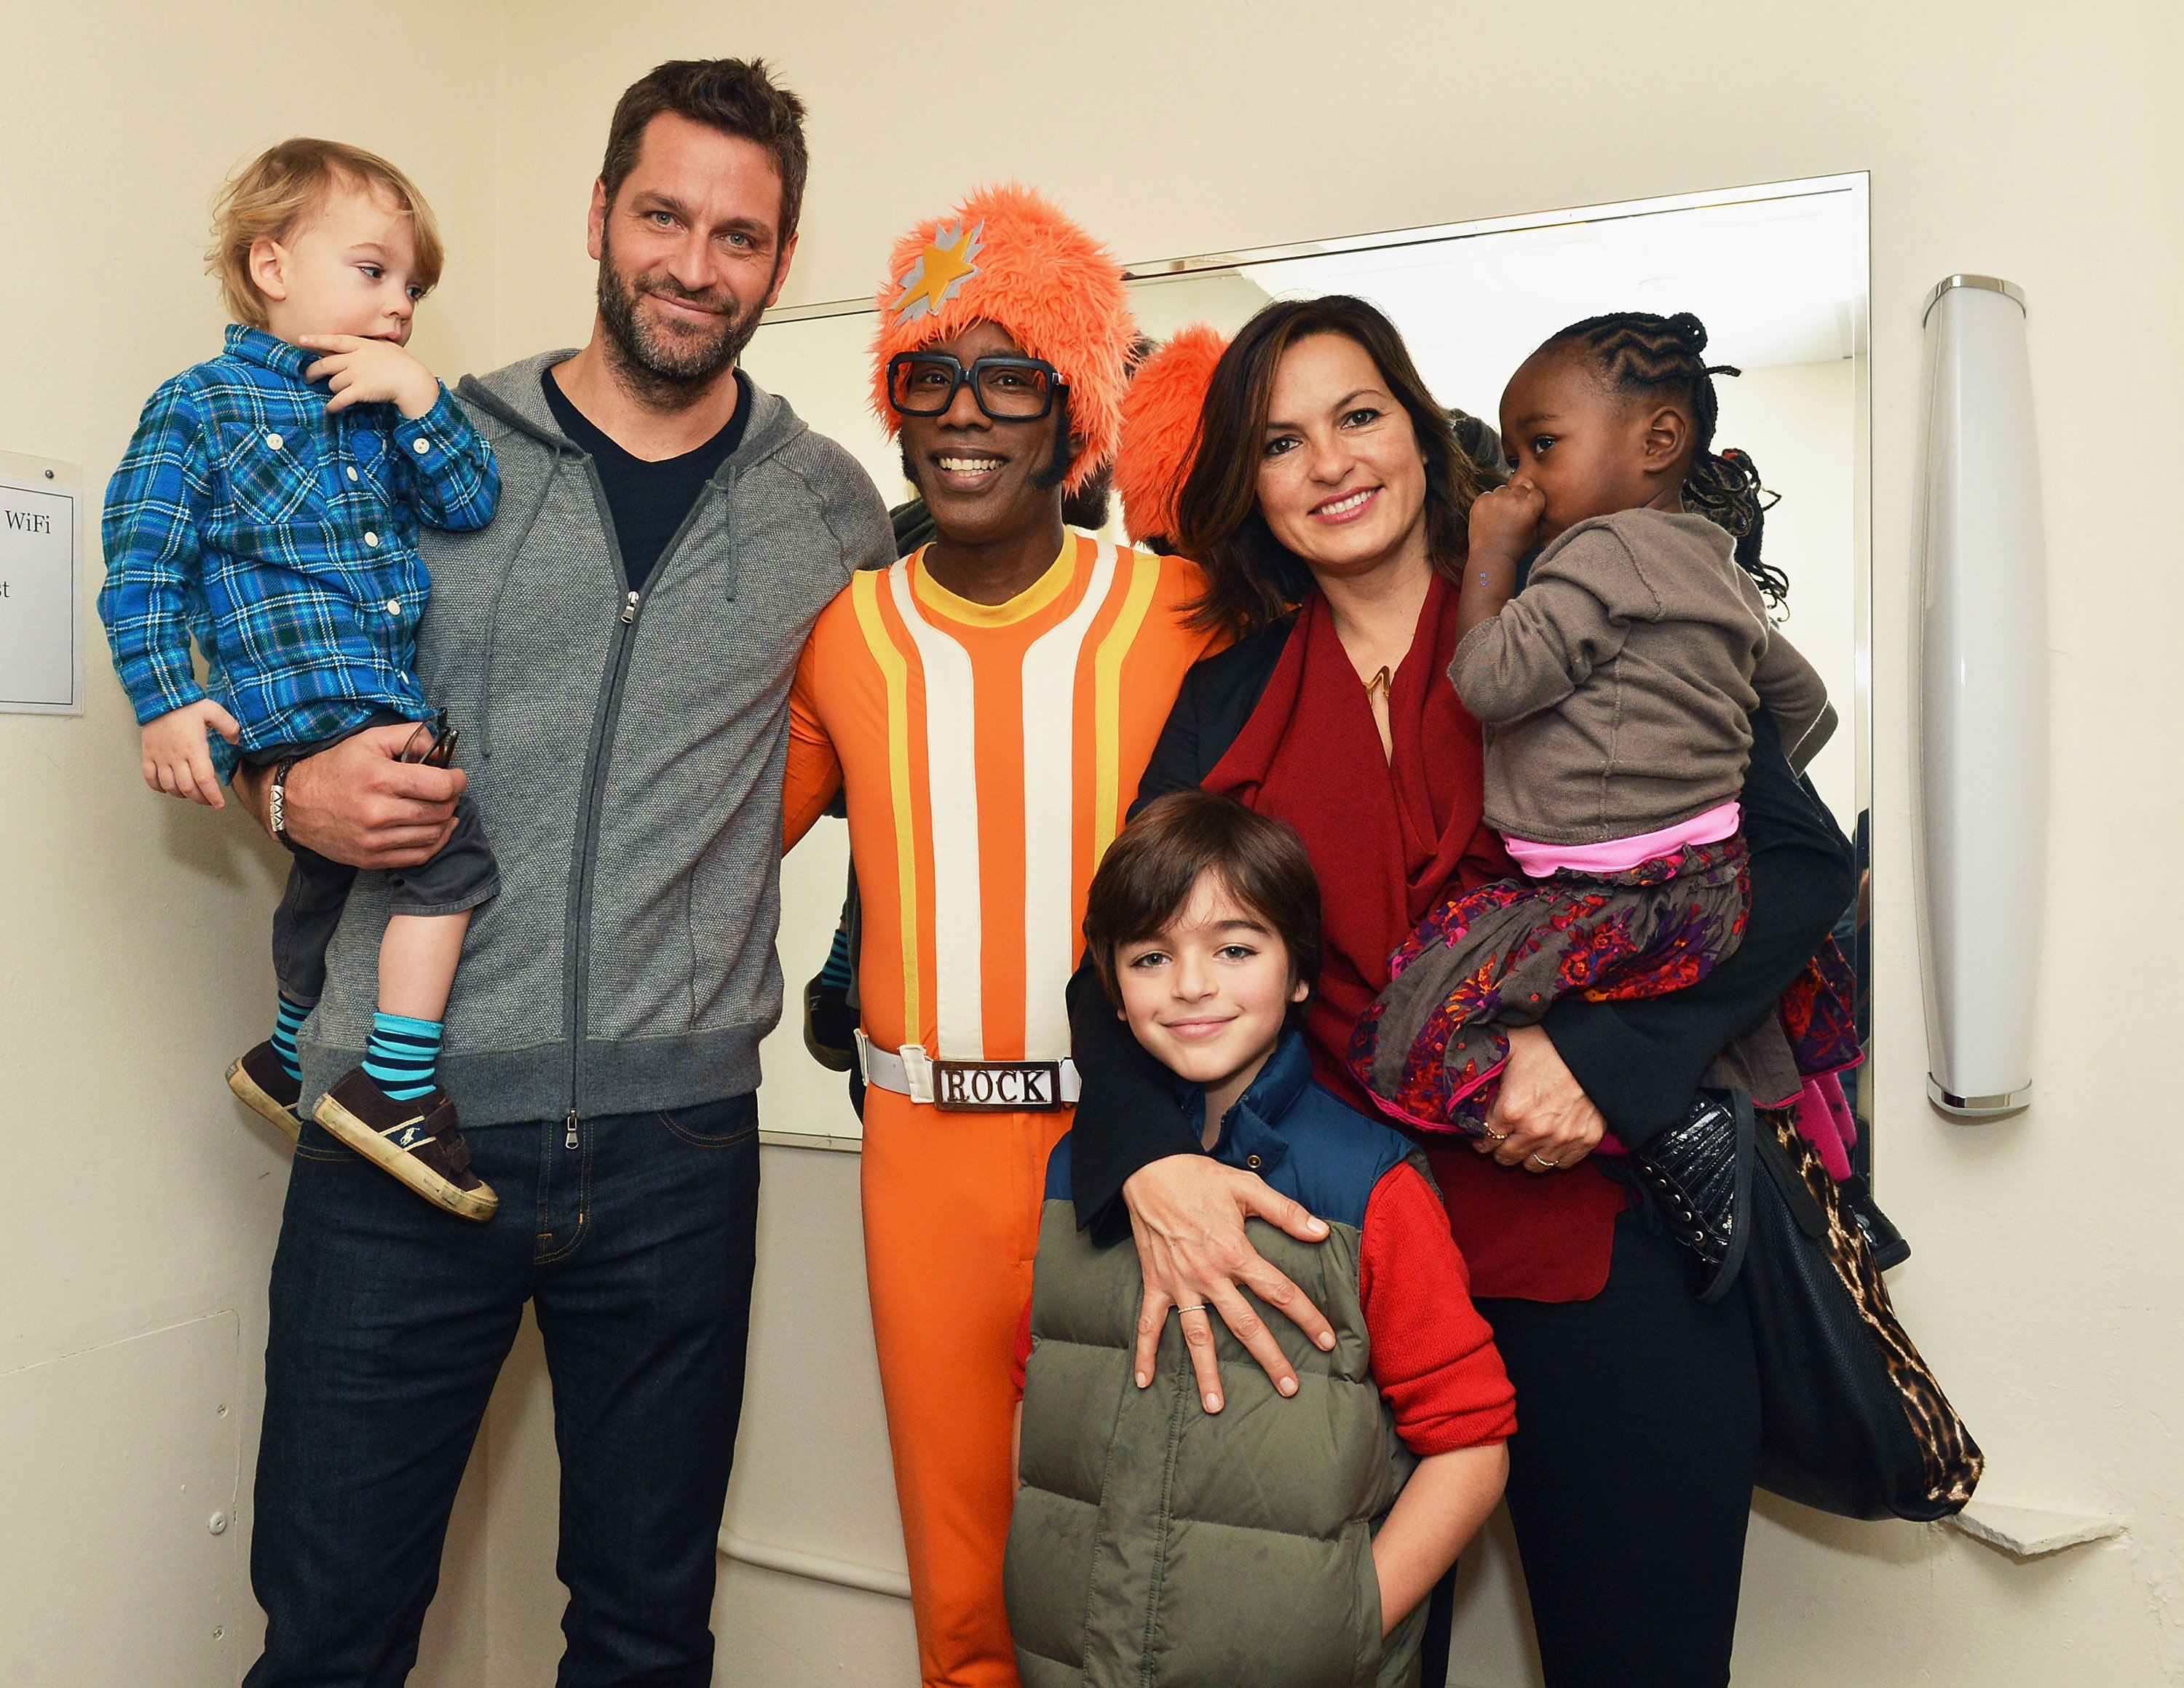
x: 288, y: 1019
x: 836, y: 972
x: 400, y: 1055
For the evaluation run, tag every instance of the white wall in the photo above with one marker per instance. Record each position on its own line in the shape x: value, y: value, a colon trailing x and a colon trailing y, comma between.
x: 142, y: 1200
x: 2001, y: 137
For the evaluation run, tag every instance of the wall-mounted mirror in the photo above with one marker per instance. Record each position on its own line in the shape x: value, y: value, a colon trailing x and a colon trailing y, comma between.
x: 1779, y: 275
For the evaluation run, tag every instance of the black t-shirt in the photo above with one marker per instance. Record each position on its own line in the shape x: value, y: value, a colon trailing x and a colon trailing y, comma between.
x: 648, y: 500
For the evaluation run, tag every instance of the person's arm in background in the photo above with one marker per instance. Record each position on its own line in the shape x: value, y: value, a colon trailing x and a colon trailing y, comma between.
x: 1640, y: 1061
x: 1019, y: 1364
x: 1127, y: 1114
x: 814, y: 774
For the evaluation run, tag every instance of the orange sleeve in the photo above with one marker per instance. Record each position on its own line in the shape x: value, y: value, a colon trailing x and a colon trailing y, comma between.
x: 815, y: 772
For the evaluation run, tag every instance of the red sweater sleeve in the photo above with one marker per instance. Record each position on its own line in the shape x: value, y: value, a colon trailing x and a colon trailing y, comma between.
x: 1433, y: 1355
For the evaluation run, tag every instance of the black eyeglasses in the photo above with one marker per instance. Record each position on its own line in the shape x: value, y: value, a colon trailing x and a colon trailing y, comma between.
x: 1007, y: 389
x: 431, y: 742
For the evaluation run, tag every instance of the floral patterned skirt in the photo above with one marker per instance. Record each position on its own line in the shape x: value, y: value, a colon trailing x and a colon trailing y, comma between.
x: 1432, y: 1048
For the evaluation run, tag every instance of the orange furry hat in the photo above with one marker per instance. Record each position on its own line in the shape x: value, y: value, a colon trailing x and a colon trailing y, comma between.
x: 1009, y: 256
x: 1160, y: 428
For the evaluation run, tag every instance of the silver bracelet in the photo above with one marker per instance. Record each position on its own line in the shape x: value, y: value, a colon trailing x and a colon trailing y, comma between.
x: 276, y: 800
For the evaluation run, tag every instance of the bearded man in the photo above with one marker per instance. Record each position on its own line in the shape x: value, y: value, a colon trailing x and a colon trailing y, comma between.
x: 616, y: 649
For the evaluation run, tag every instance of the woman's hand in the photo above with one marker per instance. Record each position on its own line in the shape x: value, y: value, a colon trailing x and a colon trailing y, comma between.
x: 1541, y: 1120
x: 1187, y: 1214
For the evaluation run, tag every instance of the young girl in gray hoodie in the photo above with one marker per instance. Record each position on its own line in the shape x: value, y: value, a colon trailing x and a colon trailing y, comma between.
x: 1615, y: 690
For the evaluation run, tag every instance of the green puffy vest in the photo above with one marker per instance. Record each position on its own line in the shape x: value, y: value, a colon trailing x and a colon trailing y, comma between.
x: 1154, y: 1546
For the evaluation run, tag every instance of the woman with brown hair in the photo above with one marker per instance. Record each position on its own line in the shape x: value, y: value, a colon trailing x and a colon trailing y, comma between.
x: 1328, y: 504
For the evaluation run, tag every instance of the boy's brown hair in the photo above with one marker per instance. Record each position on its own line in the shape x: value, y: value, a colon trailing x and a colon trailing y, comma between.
x: 1146, y: 879
x: 270, y: 198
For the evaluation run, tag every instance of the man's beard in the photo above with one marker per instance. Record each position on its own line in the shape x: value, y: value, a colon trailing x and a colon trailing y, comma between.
x: 668, y: 370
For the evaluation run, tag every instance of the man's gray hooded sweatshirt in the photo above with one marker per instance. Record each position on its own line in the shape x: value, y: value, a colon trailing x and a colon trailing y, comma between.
x: 626, y: 755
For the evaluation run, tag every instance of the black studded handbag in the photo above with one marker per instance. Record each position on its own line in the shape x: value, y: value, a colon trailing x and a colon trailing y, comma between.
x: 1853, y: 1419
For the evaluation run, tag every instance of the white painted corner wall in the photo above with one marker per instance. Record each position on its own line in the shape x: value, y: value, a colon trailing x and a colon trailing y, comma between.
x: 2047, y: 1286
x: 143, y: 1201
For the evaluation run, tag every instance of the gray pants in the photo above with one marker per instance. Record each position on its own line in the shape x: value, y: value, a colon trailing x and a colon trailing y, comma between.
x: 463, y: 875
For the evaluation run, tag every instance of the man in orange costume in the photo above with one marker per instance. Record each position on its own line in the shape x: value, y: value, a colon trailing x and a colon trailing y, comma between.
x: 987, y: 704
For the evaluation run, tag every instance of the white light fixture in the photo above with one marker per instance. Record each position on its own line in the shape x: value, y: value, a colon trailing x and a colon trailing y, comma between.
x: 1982, y: 733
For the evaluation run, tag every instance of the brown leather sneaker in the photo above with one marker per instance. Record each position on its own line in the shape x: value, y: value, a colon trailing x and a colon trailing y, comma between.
x: 416, y: 1141
x: 263, y: 1085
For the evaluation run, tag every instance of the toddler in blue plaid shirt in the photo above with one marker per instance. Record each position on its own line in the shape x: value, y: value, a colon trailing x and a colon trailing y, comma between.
x: 268, y: 505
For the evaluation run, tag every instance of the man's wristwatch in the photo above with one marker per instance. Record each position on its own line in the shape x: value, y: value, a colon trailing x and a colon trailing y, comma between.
x: 276, y: 800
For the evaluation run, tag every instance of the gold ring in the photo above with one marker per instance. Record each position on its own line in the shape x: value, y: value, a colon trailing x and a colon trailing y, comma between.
x: 1200, y: 1308
x: 1498, y: 1136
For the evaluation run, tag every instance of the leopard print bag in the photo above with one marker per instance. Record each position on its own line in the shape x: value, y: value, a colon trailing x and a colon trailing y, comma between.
x: 1853, y: 1421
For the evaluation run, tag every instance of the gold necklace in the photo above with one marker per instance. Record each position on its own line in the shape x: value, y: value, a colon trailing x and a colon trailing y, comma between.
x: 1381, y: 682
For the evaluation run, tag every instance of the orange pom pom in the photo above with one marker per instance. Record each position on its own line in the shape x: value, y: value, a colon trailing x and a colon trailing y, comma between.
x: 1160, y: 428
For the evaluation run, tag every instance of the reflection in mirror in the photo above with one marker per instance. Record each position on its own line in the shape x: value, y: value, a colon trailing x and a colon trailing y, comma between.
x: 1777, y: 275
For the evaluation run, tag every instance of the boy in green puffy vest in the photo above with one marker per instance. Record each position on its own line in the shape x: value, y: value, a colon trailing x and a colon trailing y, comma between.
x: 1276, y: 1541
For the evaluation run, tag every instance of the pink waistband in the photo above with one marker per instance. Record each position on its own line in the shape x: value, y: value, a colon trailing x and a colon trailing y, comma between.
x: 1620, y: 855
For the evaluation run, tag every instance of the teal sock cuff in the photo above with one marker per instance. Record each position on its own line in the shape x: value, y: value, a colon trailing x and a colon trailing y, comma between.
x: 401, y: 1055
x: 401, y: 1025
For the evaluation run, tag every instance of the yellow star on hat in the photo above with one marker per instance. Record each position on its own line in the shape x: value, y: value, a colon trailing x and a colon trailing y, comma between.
x: 941, y: 270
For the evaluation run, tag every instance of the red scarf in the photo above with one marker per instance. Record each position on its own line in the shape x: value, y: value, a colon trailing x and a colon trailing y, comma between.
x: 1390, y: 836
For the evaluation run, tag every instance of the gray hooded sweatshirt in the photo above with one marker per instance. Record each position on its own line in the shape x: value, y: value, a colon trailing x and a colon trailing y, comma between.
x: 625, y: 754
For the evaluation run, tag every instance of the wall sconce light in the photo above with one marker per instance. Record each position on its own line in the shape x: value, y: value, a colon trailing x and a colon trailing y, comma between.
x: 1982, y: 733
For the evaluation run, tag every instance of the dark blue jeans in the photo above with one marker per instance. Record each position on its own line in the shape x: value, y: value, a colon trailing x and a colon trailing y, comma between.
x: 390, y: 1322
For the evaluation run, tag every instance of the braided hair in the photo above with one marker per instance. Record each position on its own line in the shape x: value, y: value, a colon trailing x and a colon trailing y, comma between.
x: 1636, y: 352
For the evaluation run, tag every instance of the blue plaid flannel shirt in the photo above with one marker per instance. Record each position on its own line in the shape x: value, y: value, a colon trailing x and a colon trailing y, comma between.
x: 285, y: 540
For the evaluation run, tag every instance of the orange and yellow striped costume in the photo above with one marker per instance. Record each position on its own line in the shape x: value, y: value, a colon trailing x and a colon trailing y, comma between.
x: 988, y: 754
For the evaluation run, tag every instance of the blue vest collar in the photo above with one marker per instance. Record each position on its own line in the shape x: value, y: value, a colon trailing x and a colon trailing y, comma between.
x: 1251, y: 1135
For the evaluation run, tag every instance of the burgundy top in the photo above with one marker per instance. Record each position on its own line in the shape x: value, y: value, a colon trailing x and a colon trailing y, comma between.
x: 1390, y: 836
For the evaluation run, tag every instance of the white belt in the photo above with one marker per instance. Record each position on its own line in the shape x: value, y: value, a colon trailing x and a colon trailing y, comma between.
x: 968, y: 1086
